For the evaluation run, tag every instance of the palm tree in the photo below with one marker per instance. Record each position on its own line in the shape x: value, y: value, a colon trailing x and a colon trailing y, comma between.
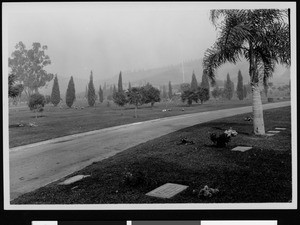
x: 260, y: 36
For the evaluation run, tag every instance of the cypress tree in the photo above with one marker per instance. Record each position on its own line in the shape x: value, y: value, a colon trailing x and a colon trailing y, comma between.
x: 228, y: 88
x: 205, y: 82
x: 170, y: 93
x: 91, y: 91
x: 120, y: 83
x: 55, y: 95
x: 240, y: 86
x: 114, y: 89
x: 194, y: 83
x: 101, y: 97
x: 164, y: 92
x: 70, y: 94
x: 129, y: 86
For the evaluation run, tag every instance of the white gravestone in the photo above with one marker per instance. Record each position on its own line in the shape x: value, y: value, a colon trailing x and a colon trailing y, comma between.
x: 280, y: 128
x: 241, y: 148
x: 167, y: 190
x: 274, y: 131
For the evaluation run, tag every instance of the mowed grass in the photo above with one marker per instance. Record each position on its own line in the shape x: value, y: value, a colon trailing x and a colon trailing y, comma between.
x: 262, y: 174
x: 56, y: 122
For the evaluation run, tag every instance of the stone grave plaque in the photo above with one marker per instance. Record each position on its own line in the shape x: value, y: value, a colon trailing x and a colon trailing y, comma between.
x: 269, y: 135
x: 72, y: 180
x: 274, y: 131
x: 241, y: 148
x: 280, y: 128
x: 167, y: 190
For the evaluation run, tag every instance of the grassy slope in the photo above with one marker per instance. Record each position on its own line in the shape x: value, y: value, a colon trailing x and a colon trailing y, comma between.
x: 262, y: 174
x: 61, y: 122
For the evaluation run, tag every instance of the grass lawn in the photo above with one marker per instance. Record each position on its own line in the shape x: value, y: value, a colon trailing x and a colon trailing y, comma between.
x: 56, y: 122
x: 262, y: 174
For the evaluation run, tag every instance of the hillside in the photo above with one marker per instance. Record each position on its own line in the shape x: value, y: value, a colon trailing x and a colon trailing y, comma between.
x: 174, y: 73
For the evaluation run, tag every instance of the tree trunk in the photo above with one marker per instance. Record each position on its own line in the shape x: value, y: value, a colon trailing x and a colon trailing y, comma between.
x: 258, y: 118
x: 135, y: 111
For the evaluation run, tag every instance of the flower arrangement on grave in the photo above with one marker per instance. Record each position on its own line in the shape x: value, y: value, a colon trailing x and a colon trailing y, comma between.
x: 223, y: 139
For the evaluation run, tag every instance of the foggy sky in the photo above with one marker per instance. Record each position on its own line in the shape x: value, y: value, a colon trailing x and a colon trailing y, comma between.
x: 112, y: 37
x: 108, y: 38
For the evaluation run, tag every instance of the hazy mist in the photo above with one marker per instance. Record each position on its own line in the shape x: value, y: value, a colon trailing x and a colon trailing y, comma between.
x: 108, y: 38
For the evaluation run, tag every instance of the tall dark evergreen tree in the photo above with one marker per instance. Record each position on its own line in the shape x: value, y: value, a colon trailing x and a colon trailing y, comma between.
x: 194, y: 83
x: 129, y: 86
x: 228, y: 89
x: 245, y: 93
x: 101, y: 97
x: 164, y: 92
x: 91, y: 91
x: 240, y: 86
x: 120, y: 83
x: 114, y: 89
x: 55, y: 95
x: 70, y: 94
x: 170, y: 93
x: 205, y: 82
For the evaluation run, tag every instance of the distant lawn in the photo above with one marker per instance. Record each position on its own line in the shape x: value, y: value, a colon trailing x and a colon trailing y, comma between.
x: 56, y: 122
x: 262, y: 174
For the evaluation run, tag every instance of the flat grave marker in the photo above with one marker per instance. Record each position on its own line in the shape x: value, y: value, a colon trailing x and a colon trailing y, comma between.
x: 241, y: 148
x: 167, y: 190
x: 274, y: 131
x: 280, y: 128
x: 74, y: 179
x: 269, y: 135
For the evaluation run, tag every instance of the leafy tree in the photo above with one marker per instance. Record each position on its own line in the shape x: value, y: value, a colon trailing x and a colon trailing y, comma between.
x: 228, y: 88
x: 189, y: 96
x: 47, y: 99
x: 135, y: 98
x: 55, y: 95
x: 261, y: 36
x: 91, y: 91
x: 36, y: 103
x: 194, y: 83
x: 240, y: 86
x: 185, y: 87
x: 217, y: 92
x: 119, y: 98
x: 70, y: 94
x: 101, y: 96
x: 120, y: 83
x: 205, y: 82
x: 203, y: 94
x: 150, y: 94
x: 170, y: 93
x: 14, y: 90
x: 28, y: 67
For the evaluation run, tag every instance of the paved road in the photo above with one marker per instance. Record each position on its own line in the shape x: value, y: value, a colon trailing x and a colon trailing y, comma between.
x: 35, y: 165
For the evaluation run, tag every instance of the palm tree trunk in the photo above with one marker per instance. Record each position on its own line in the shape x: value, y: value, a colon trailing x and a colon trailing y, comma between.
x: 258, y: 117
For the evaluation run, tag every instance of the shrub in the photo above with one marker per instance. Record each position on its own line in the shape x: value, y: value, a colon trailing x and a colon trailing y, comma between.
x: 223, y: 139
x: 36, y: 103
